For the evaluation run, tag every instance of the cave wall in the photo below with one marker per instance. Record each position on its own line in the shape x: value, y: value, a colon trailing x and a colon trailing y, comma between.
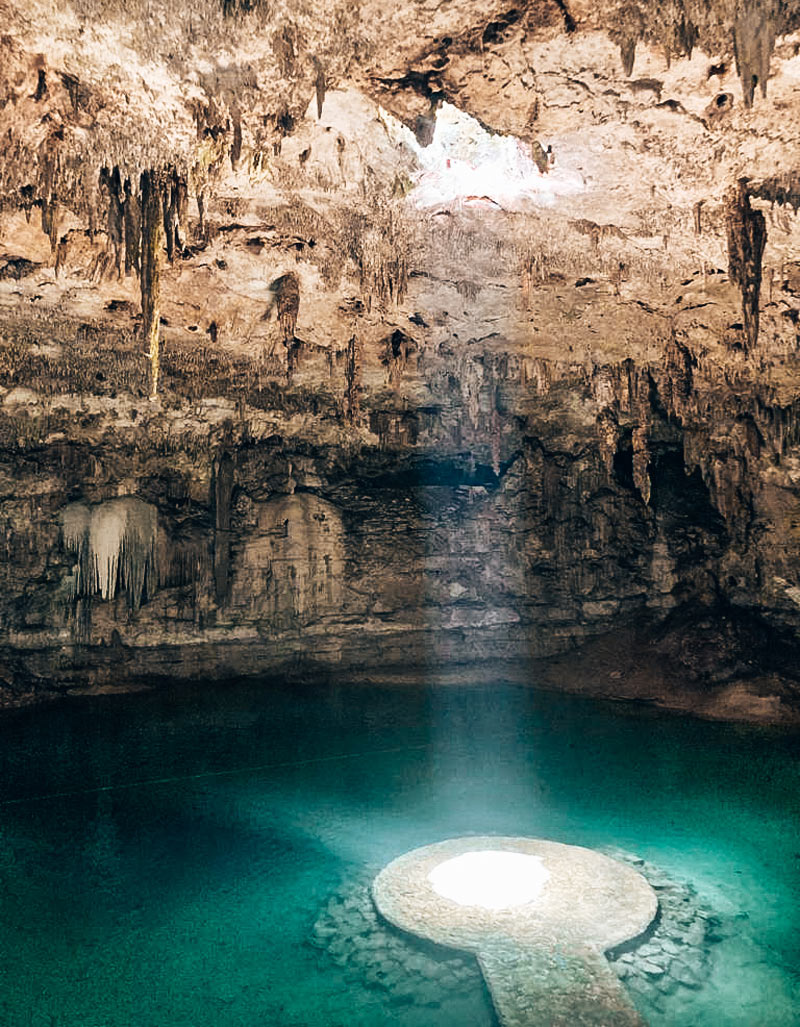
x: 260, y: 408
x: 496, y: 508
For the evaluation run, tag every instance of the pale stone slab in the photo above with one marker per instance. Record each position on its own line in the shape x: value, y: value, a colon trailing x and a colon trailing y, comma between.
x: 542, y: 960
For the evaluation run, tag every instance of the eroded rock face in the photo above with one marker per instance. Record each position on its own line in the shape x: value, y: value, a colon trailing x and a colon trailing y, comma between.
x: 370, y: 432
x: 290, y: 571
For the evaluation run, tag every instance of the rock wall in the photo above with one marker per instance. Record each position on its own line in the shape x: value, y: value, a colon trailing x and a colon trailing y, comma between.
x: 275, y: 393
x: 492, y: 508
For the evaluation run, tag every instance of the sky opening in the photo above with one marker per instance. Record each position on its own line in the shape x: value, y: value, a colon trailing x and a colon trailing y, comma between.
x: 467, y: 166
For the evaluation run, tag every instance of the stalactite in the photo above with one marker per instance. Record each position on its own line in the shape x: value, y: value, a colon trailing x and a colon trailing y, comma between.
x: 468, y: 289
x: 80, y: 620
x: 697, y: 212
x: 747, y: 235
x: 425, y: 128
x: 754, y: 31
x: 222, y: 495
x: 679, y: 365
x: 236, y: 143
x: 627, y: 27
x: 232, y: 8
x: 320, y: 86
x: 496, y: 421
x: 627, y: 53
x: 41, y: 86
x: 168, y: 215
x: 607, y: 427
x: 352, y: 375
x: 397, y: 348
x: 174, y: 204
x: 50, y: 220
x: 179, y: 205
x: 115, y: 543
x: 471, y: 375
x: 201, y: 213
x: 379, y: 246
x: 150, y: 271
x: 124, y: 214
x: 115, y: 220
x: 641, y: 461
x: 782, y: 189
x: 539, y: 154
x: 133, y: 229
x: 678, y: 26
x: 75, y: 521
x: 286, y: 293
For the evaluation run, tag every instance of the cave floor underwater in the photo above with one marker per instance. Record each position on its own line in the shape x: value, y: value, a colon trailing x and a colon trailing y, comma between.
x: 202, y: 856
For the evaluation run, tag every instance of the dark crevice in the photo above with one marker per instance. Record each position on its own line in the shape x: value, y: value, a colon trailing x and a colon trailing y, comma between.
x: 682, y: 498
x: 417, y: 81
x: 623, y: 461
x: 495, y: 30
x: 431, y: 473
x: 569, y: 21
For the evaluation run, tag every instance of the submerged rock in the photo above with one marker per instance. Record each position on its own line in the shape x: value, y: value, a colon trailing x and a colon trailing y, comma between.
x: 676, y: 952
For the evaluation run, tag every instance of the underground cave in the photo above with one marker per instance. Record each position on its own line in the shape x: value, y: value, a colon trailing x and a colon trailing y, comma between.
x: 399, y: 513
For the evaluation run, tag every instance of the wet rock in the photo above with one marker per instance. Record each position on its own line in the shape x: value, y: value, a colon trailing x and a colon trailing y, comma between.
x: 350, y: 933
x: 676, y: 954
x: 686, y: 975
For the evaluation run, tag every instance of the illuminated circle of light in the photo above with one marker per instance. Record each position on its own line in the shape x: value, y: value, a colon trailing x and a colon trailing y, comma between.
x: 491, y: 879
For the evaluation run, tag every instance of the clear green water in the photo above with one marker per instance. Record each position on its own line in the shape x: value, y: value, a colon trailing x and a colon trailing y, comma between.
x: 188, y: 901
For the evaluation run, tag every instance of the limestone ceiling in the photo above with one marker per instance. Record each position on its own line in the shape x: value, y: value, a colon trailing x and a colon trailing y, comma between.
x: 656, y: 109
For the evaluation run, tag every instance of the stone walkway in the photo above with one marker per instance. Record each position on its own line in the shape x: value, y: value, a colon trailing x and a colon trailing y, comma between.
x: 543, y: 960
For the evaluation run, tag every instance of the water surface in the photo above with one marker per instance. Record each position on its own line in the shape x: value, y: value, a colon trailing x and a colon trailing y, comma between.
x: 164, y: 855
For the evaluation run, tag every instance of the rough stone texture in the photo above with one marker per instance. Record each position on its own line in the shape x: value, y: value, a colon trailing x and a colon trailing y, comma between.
x: 555, y: 986
x: 374, y: 435
x: 543, y: 961
x: 680, y: 942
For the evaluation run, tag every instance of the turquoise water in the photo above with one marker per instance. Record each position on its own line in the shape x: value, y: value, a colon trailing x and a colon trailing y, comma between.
x: 163, y: 856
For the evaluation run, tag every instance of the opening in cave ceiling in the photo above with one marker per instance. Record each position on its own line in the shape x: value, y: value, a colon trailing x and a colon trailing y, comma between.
x: 464, y: 165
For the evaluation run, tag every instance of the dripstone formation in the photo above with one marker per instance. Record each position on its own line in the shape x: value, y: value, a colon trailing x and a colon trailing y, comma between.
x: 264, y: 410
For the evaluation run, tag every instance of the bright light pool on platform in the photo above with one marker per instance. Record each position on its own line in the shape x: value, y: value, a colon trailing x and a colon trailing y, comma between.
x: 493, y: 880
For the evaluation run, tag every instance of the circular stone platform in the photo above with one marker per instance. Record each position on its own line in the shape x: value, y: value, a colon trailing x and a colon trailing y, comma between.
x: 539, y: 925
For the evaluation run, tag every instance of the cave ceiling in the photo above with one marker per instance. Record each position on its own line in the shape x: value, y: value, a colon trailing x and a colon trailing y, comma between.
x: 267, y: 132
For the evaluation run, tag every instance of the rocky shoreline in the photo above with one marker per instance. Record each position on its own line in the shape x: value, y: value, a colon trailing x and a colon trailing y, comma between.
x: 704, y: 662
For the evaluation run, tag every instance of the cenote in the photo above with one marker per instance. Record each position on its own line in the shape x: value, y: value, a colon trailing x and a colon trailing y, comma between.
x: 202, y: 855
x: 399, y: 513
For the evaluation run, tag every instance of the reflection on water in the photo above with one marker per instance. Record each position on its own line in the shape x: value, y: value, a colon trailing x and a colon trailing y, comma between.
x: 197, y: 835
